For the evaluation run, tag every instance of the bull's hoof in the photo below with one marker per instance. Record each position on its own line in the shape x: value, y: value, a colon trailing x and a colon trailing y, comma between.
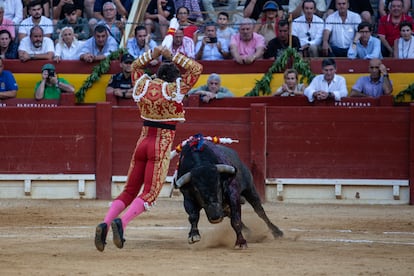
x: 277, y: 234
x: 241, y: 243
x: 240, y: 246
x: 194, y: 239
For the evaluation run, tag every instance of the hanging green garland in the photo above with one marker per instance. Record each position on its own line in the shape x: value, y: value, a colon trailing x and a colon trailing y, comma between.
x: 408, y: 91
x: 102, y: 68
x: 279, y: 65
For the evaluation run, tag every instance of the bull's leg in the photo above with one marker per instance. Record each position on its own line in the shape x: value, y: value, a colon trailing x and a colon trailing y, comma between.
x: 253, y: 198
x: 235, y: 215
x: 193, y: 212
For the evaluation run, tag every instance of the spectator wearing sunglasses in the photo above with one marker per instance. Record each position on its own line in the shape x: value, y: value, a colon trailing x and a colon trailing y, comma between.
x: 309, y: 29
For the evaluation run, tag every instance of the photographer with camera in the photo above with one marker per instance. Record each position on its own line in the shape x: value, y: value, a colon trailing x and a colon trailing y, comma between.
x: 51, y: 86
x: 212, y: 48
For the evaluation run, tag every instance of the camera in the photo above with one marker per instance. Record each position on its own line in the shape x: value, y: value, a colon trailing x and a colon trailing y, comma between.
x: 50, y: 73
x: 213, y: 40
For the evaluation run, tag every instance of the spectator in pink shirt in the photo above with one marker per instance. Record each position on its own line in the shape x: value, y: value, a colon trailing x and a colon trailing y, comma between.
x: 246, y: 46
x: 6, y: 24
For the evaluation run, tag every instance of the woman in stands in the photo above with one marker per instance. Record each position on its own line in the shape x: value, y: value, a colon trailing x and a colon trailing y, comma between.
x: 190, y: 30
x: 404, y: 46
x: 8, y: 48
x: 68, y: 46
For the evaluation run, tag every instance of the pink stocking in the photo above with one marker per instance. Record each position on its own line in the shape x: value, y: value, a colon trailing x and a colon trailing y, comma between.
x: 136, y: 208
x: 116, y: 208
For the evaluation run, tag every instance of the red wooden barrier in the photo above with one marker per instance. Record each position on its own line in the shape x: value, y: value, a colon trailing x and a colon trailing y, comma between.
x: 275, y: 140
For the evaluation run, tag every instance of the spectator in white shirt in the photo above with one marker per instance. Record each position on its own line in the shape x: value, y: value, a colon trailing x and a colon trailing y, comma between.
x: 182, y: 44
x: 68, y: 46
x: 340, y: 29
x: 309, y: 29
x: 13, y: 10
x: 35, y: 18
x: 36, y: 46
x: 328, y: 85
x: 296, y: 7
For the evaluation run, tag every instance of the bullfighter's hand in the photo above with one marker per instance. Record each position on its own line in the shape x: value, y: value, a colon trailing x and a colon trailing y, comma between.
x: 156, y: 52
x: 166, y: 53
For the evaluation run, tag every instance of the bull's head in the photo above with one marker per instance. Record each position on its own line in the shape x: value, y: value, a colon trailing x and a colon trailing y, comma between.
x: 206, y: 182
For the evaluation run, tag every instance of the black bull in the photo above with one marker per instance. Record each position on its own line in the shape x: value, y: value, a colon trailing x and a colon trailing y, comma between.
x: 212, y: 177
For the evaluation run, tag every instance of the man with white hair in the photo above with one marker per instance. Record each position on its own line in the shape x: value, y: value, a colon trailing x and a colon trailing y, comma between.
x: 212, y: 90
x: 246, y: 46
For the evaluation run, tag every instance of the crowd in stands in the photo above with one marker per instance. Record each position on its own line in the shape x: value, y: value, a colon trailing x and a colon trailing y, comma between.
x: 244, y: 31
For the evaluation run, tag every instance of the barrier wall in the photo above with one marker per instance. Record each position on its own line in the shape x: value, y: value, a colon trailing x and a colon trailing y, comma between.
x: 238, y: 78
x: 364, y: 139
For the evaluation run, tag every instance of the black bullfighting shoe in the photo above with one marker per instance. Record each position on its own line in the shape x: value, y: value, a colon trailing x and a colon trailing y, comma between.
x: 100, y: 236
x: 118, y: 233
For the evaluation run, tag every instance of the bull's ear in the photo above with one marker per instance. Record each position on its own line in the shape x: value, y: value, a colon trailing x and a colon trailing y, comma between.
x: 222, y: 168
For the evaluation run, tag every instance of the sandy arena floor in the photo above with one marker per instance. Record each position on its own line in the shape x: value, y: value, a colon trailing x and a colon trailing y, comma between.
x: 55, y: 237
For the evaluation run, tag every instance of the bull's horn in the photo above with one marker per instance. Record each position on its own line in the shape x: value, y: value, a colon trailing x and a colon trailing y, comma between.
x: 221, y: 168
x: 184, y: 179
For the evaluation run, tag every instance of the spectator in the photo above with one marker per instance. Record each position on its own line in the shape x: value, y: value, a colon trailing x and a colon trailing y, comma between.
x: 36, y: 46
x: 309, y: 29
x: 36, y: 18
x: 13, y: 10
x: 99, y: 46
x: 267, y: 25
x: 115, y: 27
x: 296, y: 8
x: 212, y: 90
x: 211, y: 47
x: 254, y: 8
x: 141, y: 43
x: 384, y: 7
x: 121, y: 84
x: 182, y: 44
x: 45, y: 5
x: 376, y: 84
x: 361, y: 7
x: 291, y: 87
x: 8, y: 48
x: 88, y: 9
x: 365, y: 46
x: 72, y: 19
x: 279, y: 44
x: 51, y: 86
x: 6, y: 24
x: 190, y: 30
x: 247, y: 46
x: 68, y: 46
x: 404, y: 46
x: 388, y: 27
x: 59, y: 7
x: 193, y: 8
x: 160, y: 18
x: 123, y: 8
x: 8, y: 84
x: 340, y: 29
x: 224, y: 31
x: 209, y: 8
x: 328, y: 85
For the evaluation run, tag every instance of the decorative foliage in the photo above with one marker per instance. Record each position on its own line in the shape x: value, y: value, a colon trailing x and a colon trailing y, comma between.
x: 279, y: 65
x: 408, y: 91
x: 102, y: 68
